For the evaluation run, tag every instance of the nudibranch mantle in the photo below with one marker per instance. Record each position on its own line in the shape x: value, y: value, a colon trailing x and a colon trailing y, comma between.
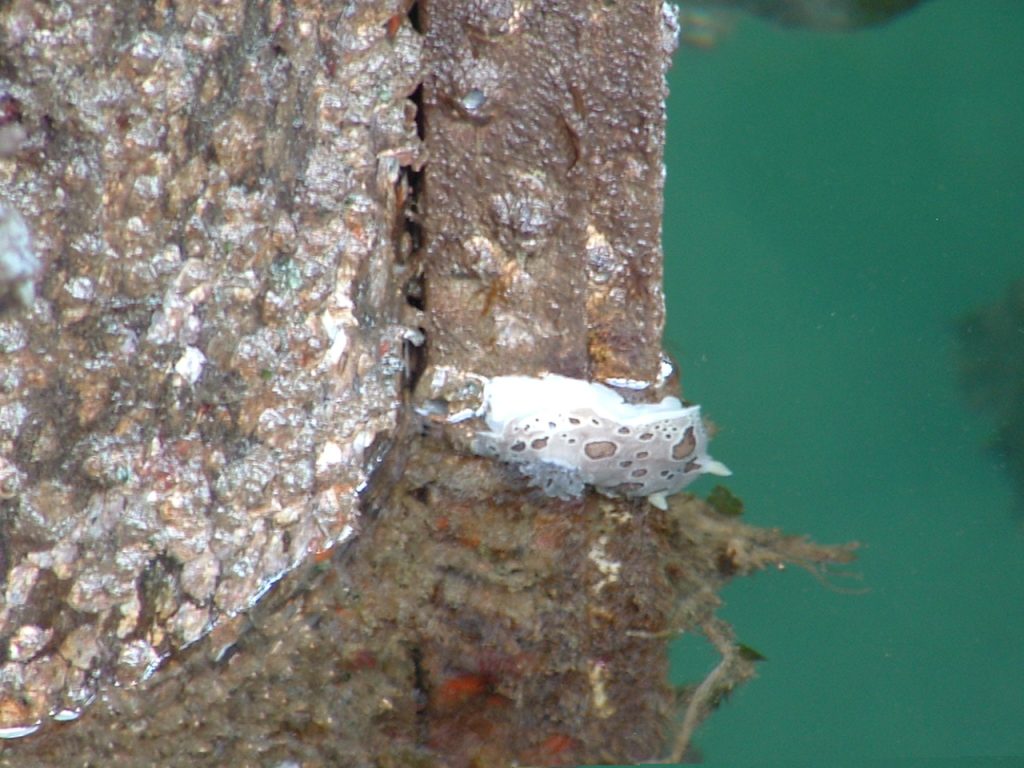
x: 563, y: 433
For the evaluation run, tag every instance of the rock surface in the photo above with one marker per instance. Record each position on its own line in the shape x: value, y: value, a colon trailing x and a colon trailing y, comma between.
x: 189, y: 399
x: 237, y: 513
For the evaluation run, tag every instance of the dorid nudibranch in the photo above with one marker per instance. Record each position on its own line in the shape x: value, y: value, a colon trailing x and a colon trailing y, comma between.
x: 563, y: 433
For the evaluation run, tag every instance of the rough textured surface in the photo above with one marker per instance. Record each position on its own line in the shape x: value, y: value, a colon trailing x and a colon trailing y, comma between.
x: 453, y: 633
x: 213, y: 362
x: 545, y: 190
x: 187, y: 405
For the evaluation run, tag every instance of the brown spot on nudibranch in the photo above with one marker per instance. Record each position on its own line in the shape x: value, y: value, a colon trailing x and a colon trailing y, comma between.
x: 517, y: 446
x: 684, y: 447
x: 540, y: 442
x: 600, y: 449
x: 638, y: 473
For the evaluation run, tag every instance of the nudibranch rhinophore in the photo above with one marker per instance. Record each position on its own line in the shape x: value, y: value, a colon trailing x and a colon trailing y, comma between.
x: 563, y: 433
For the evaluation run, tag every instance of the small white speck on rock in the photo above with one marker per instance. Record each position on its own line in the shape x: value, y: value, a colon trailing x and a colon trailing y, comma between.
x: 190, y: 365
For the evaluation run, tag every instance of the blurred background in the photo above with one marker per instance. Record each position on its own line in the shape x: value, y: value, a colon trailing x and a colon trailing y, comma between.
x: 844, y: 227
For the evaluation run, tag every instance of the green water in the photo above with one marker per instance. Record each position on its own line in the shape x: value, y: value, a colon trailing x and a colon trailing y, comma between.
x: 834, y: 203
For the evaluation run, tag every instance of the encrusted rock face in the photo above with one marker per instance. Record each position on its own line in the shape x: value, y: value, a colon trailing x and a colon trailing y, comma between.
x: 545, y: 186
x: 203, y: 341
x: 201, y: 337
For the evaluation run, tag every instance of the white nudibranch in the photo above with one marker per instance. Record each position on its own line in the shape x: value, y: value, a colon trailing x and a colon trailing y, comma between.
x: 563, y: 433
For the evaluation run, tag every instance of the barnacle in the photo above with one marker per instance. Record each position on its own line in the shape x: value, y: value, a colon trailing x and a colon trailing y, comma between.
x: 563, y: 433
